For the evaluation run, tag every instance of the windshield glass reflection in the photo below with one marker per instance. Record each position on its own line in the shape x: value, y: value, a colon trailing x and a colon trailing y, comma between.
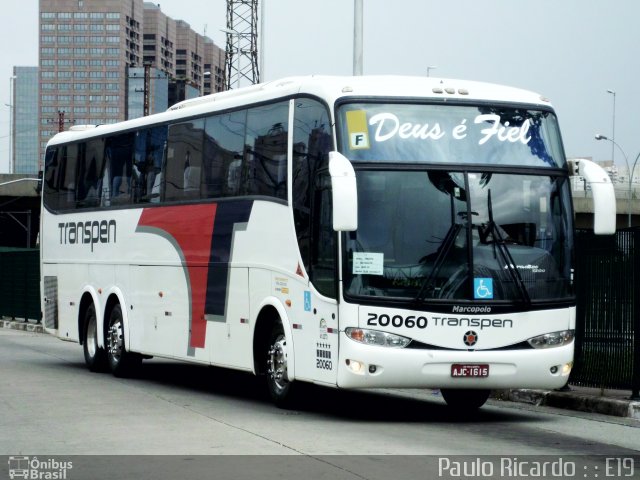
x: 447, y: 235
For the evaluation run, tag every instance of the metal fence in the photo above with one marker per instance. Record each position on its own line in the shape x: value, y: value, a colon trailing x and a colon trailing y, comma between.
x: 20, y: 283
x: 608, y: 326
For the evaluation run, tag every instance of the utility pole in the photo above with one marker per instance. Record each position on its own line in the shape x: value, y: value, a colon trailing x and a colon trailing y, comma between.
x: 358, y: 30
x: 147, y: 88
x: 61, y: 120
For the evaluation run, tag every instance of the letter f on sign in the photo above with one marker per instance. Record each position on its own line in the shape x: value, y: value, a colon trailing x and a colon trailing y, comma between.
x: 359, y: 140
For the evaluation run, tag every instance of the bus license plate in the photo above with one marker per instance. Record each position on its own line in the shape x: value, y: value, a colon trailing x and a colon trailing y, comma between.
x: 464, y: 370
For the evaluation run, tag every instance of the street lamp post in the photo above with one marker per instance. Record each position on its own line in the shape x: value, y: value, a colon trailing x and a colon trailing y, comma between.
x: 261, y: 76
x: 613, y: 129
x: 358, y: 45
x: 11, y: 106
x: 629, y: 172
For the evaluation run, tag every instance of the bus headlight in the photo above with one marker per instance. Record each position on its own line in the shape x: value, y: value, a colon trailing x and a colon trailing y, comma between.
x: 554, y: 339
x: 375, y: 337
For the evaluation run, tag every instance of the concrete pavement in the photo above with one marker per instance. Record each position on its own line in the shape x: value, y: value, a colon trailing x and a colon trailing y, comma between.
x: 594, y: 400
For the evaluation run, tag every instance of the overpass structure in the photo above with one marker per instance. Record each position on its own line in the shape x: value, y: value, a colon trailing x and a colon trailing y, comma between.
x: 627, y: 209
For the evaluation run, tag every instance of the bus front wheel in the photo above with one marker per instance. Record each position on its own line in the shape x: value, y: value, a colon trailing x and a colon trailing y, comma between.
x: 94, y: 356
x: 278, y: 384
x: 121, y: 362
x: 465, y: 399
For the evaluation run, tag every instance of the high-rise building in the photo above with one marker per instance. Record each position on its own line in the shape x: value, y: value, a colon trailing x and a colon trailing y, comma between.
x: 86, y: 47
x: 189, y: 55
x: 213, y: 67
x: 24, y: 121
x: 159, y: 39
x: 92, y: 52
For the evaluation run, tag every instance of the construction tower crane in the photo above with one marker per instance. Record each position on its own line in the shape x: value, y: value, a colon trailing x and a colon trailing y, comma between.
x: 241, y: 55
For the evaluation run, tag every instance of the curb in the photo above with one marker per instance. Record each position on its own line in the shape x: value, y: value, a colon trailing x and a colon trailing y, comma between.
x: 574, y: 400
x: 24, y: 326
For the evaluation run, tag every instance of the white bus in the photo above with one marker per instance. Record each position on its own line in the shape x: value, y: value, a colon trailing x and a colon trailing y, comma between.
x: 351, y: 232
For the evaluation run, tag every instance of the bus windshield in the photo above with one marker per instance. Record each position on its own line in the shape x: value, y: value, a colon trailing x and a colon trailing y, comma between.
x: 424, y: 133
x: 480, y: 229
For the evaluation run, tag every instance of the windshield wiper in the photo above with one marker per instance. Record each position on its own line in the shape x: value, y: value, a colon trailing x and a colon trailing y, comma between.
x: 500, y: 243
x: 445, y: 247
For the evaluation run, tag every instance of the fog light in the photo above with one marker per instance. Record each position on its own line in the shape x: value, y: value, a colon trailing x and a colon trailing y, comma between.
x: 553, y: 370
x: 355, y: 366
x: 372, y: 368
x: 566, y: 369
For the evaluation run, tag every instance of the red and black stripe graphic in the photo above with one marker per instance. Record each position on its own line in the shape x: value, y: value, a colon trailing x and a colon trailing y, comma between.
x: 202, y: 236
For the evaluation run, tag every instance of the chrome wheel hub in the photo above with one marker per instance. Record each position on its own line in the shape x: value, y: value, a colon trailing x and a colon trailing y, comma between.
x: 115, y: 340
x: 277, y: 363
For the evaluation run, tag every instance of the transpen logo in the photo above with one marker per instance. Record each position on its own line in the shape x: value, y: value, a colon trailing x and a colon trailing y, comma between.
x: 90, y: 232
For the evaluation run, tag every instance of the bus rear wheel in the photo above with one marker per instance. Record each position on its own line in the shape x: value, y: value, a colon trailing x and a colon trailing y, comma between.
x: 280, y: 388
x: 121, y: 362
x: 94, y: 356
x: 465, y: 399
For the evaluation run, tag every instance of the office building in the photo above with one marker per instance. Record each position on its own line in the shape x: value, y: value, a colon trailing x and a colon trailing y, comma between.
x: 159, y: 39
x: 24, y: 120
x: 155, y: 93
x: 86, y: 47
x: 92, y: 53
x: 214, y: 57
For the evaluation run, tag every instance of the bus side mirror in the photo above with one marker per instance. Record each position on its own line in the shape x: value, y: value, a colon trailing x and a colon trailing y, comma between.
x: 604, y: 197
x: 344, y: 193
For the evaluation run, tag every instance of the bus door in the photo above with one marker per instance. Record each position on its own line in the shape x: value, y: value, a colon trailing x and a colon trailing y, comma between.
x: 317, y: 342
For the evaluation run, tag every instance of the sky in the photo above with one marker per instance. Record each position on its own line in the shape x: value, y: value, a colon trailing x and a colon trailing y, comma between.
x: 570, y: 51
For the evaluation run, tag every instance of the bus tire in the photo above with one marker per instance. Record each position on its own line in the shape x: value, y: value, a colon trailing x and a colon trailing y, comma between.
x: 94, y: 356
x: 121, y: 362
x: 280, y: 388
x: 465, y: 399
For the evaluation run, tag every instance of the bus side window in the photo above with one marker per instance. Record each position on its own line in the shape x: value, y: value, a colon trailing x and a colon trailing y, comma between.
x: 51, y: 186
x: 184, y: 160
x: 69, y: 164
x: 139, y: 170
x: 222, y: 161
x: 266, y: 150
x: 148, y: 156
x: 119, y: 155
x: 90, y: 174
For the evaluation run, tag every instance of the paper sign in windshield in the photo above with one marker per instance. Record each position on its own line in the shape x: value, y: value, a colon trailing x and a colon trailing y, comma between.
x: 358, y: 130
x: 367, y: 263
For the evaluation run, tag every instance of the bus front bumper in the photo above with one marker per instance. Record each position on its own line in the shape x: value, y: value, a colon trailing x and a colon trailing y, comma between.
x: 365, y: 366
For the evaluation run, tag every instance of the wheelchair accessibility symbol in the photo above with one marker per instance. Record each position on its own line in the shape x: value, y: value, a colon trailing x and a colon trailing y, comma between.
x: 483, y: 288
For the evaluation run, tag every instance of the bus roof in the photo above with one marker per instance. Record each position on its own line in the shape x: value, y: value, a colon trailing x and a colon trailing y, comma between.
x: 329, y: 88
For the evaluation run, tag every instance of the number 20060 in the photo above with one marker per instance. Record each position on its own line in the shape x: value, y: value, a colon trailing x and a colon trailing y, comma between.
x: 398, y: 321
